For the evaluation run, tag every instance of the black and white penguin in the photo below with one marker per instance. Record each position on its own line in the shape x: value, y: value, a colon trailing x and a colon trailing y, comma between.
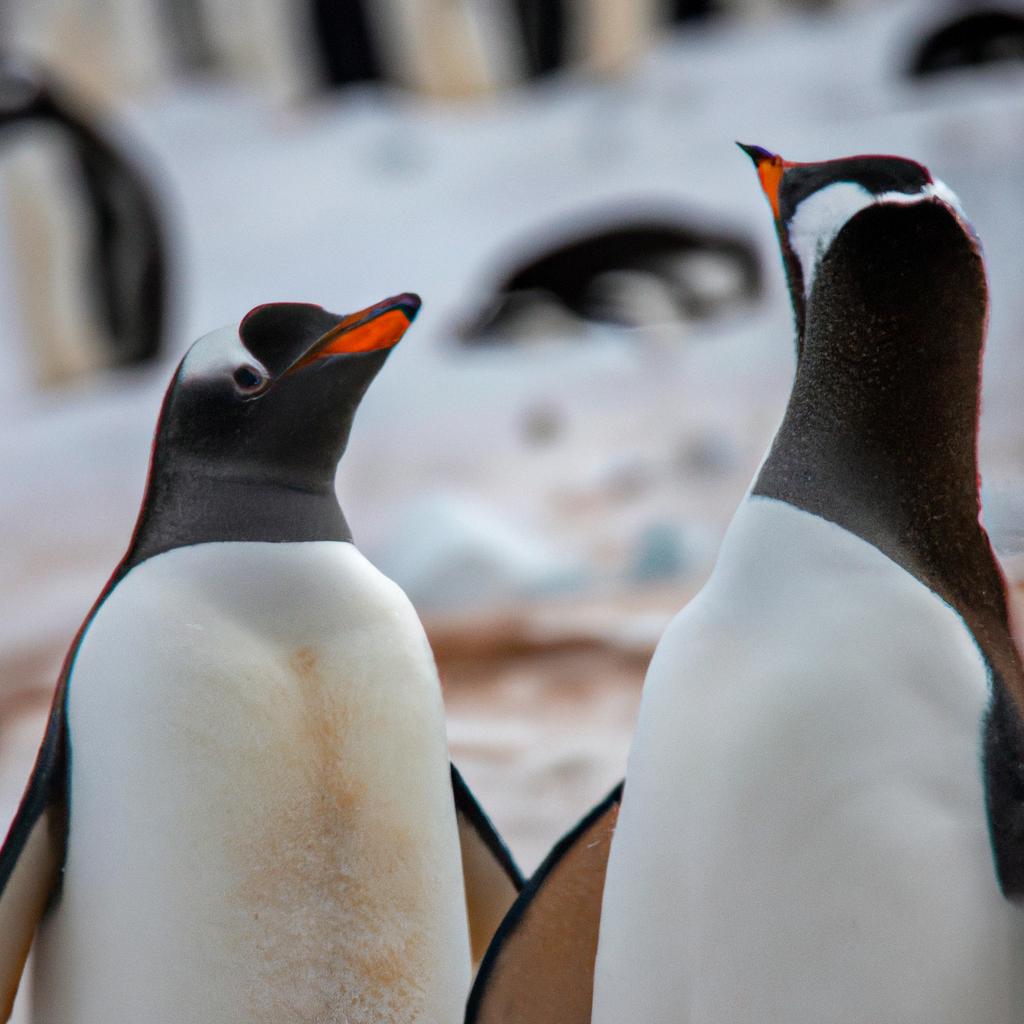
x: 972, y: 39
x: 822, y: 803
x: 822, y: 809
x: 243, y: 809
x: 580, y: 268
x: 126, y: 262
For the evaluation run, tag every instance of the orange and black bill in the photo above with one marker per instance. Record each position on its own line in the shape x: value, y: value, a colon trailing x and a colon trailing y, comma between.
x: 377, y: 327
x: 770, y: 168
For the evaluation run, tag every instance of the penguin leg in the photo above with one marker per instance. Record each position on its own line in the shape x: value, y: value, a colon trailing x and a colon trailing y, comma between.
x: 32, y: 856
x: 490, y: 875
x: 540, y: 966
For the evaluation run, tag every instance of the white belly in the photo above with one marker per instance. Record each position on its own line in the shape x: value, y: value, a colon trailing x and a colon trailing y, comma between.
x: 803, y: 836
x: 262, y: 826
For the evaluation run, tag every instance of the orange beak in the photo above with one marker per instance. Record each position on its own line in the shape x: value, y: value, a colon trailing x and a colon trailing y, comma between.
x: 770, y: 168
x: 380, y: 326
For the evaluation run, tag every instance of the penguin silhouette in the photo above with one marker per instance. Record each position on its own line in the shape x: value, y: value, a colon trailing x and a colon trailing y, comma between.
x: 127, y: 245
x: 700, y: 270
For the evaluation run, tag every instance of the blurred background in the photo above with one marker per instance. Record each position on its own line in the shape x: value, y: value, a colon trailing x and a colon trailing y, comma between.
x: 605, y: 346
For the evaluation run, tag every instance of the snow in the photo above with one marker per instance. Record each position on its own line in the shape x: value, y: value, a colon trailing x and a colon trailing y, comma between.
x: 450, y: 551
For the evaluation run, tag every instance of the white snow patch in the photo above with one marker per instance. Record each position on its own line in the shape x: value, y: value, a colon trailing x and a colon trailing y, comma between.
x: 447, y: 551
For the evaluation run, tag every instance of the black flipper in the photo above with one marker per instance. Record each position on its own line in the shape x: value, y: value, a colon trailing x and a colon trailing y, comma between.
x: 540, y: 966
x: 33, y: 852
x: 32, y: 857
x: 491, y: 877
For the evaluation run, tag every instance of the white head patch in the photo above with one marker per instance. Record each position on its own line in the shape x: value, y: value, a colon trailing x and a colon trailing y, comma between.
x: 821, y: 216
x: 216, y: 354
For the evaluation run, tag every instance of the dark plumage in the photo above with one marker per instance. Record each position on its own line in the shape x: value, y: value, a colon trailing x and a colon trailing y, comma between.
x: 986, y: 36
x: 568, y: 268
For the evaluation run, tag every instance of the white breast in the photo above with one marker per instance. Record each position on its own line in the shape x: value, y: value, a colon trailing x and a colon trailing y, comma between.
x: 803, y: 836
x: 262, y: 826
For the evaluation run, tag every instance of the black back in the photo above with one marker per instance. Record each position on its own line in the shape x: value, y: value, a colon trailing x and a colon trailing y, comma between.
x: 880, y: 437
x: 348, y: 51
x: 566, y: 268
x: 543, y: 28
x: 692, y: 10
x: 971, y: 40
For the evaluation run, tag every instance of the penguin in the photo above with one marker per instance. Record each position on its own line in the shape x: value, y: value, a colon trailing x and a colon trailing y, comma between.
x: 824, y: 780
x: 243, y: 809
x: 700, y: 271
x: 821, y: 811
x: 977, y: 38
x: 126, y: 267
x: 680, y: 11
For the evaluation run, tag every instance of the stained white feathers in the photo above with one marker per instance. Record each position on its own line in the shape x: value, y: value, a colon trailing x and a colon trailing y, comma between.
x: 262, y: 826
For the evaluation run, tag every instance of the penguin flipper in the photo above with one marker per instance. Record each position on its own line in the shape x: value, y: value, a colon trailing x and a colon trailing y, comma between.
x: 32, y: 855
x: 490, y: 875
x: 540, y: 966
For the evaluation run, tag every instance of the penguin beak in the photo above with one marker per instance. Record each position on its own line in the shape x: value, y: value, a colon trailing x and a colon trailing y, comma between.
x: 373, y: 329
x: 770, y: 168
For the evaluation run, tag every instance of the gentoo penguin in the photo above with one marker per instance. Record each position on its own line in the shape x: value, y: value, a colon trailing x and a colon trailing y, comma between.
x: 976, y: 38
x: 574, y: 270
x: 821, y: 817
x: 125, y: 261
x: 242, y: 809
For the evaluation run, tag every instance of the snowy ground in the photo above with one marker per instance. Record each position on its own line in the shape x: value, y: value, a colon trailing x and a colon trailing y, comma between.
x: 657, y: 431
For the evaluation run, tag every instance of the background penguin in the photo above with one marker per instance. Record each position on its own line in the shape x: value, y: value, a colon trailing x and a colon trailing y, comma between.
x: 976, y: 38
x: 242, y: 809
x: 124, y: 253
x: 580, y: 269
x: 805, y: 834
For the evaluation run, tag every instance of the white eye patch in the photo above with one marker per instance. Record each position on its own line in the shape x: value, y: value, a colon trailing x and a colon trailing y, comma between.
x: 216, y: 354
x: 821, y: 216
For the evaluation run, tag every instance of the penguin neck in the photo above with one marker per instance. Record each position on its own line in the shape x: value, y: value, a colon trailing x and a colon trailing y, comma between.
x: 890, y: 455
x: 191, y: 502
x: 794, y: 284
x: 880, y: 436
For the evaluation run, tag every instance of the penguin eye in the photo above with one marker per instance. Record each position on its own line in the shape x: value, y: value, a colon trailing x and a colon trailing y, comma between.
x: 249, y: 380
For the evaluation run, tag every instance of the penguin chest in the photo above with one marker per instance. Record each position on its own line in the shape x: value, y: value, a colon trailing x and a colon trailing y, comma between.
x: 262, y: 822
x: 803, y: 834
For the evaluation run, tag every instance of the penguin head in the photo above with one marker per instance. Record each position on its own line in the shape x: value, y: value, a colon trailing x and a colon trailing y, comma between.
x: 813, y: 202
x: 272, y: 400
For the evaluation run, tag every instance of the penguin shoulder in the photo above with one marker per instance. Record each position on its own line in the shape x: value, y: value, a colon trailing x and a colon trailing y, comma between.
x: 279, y: 586
x: 792, y: 595
x: 218, y: 605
